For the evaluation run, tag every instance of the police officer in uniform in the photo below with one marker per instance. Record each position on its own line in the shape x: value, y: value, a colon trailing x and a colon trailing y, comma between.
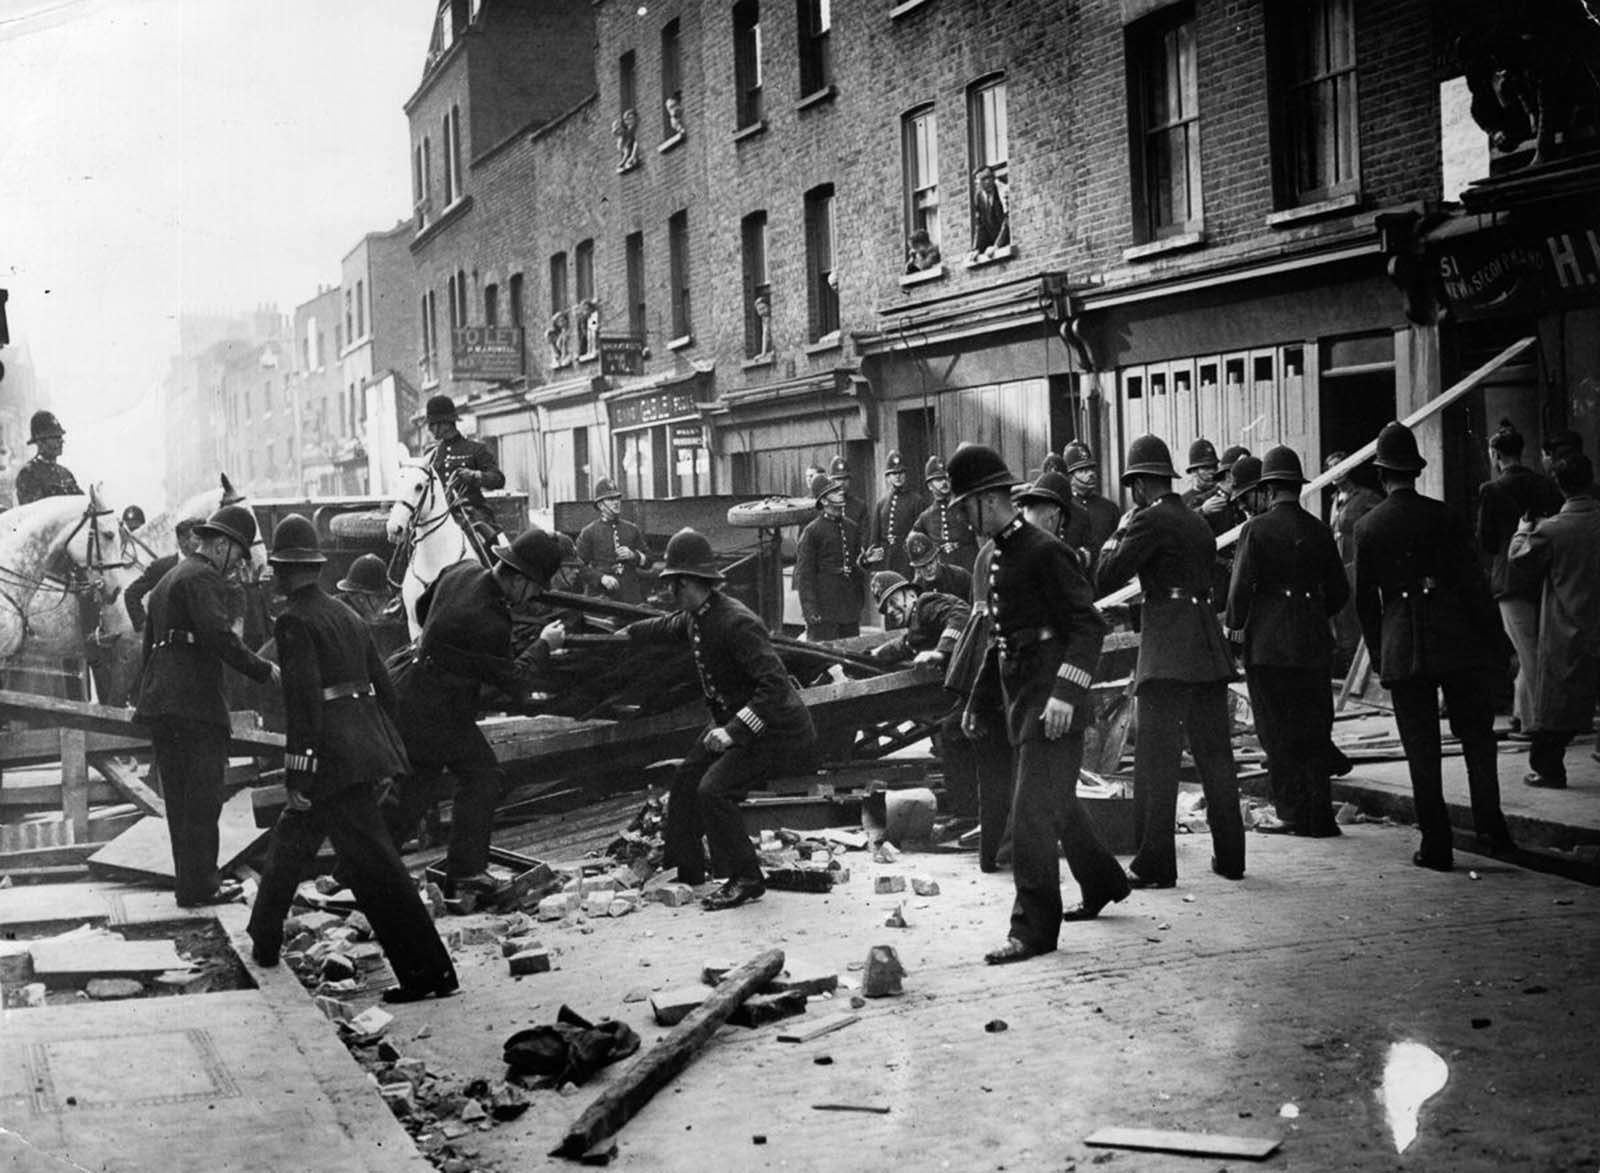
x: 760, y: 727
x: 42, y: 477
x: 854, y: 507
x: 613, y: 548
x: 1204, y: 467
x: 892, y: 519
x: 1047, y: 503
x: 945, y: 523
x: 1047, y: 637
x: 133, y: 595
x: 827, y: 573
x: 1181, y: 683
x: 930, y: 622
x: 340, y: 743
x: 1288, y: 583
x: 365, y: 589
x: 466, y: 466
x: 929, y: 570
x: 188, y: 639
x: 466, y: 641
x: 1431, y: 625
x: 1084, y: 474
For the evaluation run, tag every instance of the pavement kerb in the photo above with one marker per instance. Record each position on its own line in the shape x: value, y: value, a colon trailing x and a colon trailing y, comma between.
x: 361, y: 1112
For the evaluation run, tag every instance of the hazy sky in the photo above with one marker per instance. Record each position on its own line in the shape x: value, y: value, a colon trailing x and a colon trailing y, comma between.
x: 158, y: 156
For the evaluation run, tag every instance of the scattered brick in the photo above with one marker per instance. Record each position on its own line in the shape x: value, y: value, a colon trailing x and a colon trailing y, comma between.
x: 530, y: 961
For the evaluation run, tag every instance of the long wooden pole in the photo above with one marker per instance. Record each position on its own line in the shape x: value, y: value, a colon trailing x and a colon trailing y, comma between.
x: 649, y: 1073
x: 1365, y: 452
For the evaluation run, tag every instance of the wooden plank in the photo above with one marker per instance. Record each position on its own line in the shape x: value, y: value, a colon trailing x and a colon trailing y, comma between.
x: 827, y: 1026
x: 1200, y: 1144
x: 144, y: 852
x: 31, y: 747
x: 651, y: 1071
x: 45, y: 793
x: 75, y: 783
x: 68, y: 855
x: 128, y: 783
x: 93, y: 718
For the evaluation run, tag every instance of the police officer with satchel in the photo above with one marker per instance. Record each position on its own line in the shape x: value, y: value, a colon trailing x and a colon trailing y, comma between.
x: 1431, y: 625
x: 466, y: 466
x: 760, y: 728
x: 466, y: 641
x: 1181, y: 683
x: 1047, y: 637
x: 340, y: 742
x: 612, y: 548
x: 1288, y: 583
x: 944, y: 522
x: 188, y: 638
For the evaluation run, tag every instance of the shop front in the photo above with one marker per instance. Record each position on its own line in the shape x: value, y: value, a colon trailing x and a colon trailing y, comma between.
x: 660, y: 442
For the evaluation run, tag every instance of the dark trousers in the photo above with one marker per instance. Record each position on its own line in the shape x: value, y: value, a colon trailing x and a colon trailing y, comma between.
x: 459, y: 748
x: 991, y: 759
x: 1470, y: 699
x: 191, y: 757
x: 1170, y: 712
x: 1293, y: 710
x: 960, y: 764
x: 704, y: 802
x: 1547, y: 753
x: 373, y: 869
x: 831, y: 629
x: 1046, y: 812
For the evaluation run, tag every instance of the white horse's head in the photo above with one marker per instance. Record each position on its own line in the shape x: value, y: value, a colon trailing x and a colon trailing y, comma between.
x: 418, y: 497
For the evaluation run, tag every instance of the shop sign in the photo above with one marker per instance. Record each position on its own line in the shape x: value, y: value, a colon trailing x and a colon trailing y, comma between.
x: 621, y: 354
x: 688, y: 435
x: 1512, y: 269
x: 655, y: 408
x: 486, y: 353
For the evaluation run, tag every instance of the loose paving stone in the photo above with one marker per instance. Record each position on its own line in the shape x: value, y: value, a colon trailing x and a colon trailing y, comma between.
x: 111, y: 989
x: 673, y: 1006
x: 530, y: 961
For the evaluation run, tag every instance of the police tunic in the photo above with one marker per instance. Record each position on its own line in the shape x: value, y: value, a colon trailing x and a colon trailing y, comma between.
x: 892, y: 519
x: 41, y: 478
x: 935, y: 623
x: 947, y: 525
x: 827, y: 576
x: 946, y: 580
x: 459, y: 452
x: 597, y: 547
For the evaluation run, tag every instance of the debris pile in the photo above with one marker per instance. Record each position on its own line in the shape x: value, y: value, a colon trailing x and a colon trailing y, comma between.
x: 102, y: 965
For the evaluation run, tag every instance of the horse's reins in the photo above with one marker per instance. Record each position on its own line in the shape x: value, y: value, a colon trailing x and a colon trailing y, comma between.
x: 415, y: 535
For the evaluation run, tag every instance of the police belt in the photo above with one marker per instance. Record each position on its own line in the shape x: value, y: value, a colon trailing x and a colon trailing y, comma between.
x: 1425, y: 585
x: 1307, y: 593
x: 353, y: 688
x: 176, y: 636
x: 1014, y: 643
x: 1182, y: 595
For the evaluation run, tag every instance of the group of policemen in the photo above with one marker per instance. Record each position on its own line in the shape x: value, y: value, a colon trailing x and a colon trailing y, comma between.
x: 992, y: 579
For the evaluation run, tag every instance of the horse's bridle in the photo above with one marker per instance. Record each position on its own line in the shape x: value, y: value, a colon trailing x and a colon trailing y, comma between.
x: 416, y: 534
x: 83, y: 580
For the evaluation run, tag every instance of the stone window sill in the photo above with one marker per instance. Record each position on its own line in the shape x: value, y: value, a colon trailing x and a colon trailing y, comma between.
x: 759, y: 361
x: 562, y: 365
x: 990, y: 257
x: 905, y: 8
x: 668, y: 144
x: 1290, y: 217
x: 826, y: 94
x: 1167, y: 244
x: 921, y: 278
x: 680, y: 343
x: 749, y: 132
x: 826, y: 343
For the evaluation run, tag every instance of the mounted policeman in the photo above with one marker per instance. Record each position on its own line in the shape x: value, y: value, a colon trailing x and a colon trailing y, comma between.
x: 466, y: 466
x: 42, y: 476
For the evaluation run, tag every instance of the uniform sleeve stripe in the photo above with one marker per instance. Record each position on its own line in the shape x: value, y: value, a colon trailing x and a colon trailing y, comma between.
x: 1073, y: 674
x: 1235, y: 635
x: 951, y: 632
x: 748, y: 716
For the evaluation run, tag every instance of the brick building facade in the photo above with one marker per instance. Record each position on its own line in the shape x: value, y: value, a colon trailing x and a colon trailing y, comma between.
x: 1189, y: 194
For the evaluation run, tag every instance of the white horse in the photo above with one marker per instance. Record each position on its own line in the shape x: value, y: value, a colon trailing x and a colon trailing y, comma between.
x: 42, y: 612
x: 425, y: 533
x: 159, y: 536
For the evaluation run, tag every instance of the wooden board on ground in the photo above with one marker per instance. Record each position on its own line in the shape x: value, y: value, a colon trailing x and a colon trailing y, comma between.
x: 143, y: 851
x: 77, y: 958
x: 1203, y: 1144
x: 30, y: 747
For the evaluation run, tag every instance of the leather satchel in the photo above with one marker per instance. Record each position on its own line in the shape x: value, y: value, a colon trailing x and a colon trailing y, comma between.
x: 966, y: 660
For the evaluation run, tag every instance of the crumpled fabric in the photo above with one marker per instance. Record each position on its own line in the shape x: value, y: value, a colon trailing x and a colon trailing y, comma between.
x: 570, y: 1050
